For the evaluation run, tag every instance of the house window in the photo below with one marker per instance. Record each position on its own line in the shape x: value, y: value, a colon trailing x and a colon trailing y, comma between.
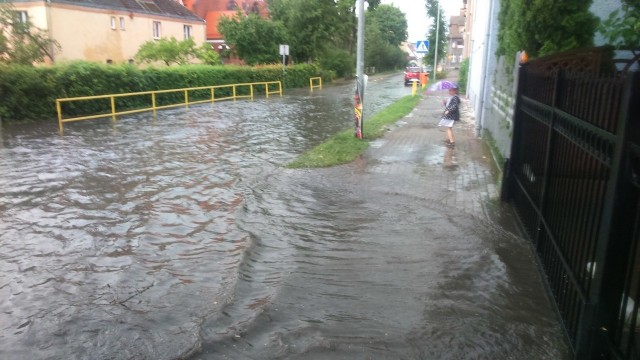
x: 22, y: 20
x: 156, y: 30
x: 187, y: 32
x: 121, y: 23
x: 21, y: 17
x: 113, y: 23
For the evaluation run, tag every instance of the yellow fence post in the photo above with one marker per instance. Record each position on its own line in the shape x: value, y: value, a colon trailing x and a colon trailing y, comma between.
x: 113, y: 108
x: 59, y: 109
x: 311, y: 82
x: 113, y: 113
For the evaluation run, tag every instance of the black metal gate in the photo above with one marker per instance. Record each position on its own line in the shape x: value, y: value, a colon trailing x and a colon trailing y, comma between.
x: 574, y: 180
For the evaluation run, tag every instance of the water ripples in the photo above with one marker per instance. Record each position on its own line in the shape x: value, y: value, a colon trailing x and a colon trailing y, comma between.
x: 181, y: 236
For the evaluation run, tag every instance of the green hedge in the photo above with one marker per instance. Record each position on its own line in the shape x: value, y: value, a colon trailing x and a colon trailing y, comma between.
x: 29, y: 93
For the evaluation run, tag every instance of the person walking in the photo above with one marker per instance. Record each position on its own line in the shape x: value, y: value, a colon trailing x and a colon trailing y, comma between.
x: 451, y: 115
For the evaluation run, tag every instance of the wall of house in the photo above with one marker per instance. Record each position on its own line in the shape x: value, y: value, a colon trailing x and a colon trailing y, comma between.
x: 87, y: 34
x: 489, y: 89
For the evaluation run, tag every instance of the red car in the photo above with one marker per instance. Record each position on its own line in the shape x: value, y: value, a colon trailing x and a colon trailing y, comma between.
x: 412, y: 74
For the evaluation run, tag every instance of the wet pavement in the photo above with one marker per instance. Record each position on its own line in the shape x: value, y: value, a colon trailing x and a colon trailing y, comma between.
x: 185, y: 237
x: 426, y: 263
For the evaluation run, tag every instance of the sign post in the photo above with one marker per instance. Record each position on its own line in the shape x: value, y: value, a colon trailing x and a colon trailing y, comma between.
x: 360, y: 77
x: 284, y: 51
x: 422, y: 47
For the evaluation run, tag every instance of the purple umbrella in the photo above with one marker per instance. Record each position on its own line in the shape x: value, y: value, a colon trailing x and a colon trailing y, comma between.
x: 443, y: 85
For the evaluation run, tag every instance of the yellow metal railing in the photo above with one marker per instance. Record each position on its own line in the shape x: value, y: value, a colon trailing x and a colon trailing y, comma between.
x: 312, y: 82
x: 153, y: 94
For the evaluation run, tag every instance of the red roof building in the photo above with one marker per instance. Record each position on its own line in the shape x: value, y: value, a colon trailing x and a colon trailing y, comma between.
x: 213, y: 10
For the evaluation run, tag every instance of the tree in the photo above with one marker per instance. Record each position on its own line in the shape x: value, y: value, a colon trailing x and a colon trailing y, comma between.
x: 253, y: 39
x: 441, y: 32
x: 622, y: 28
x: 380, y: 53
x: 543, y: 27
x: 393, y: 22
x: 385, y: 30
x: 20, y: 41
x: 311, y: 24
x: 207, y: 55
x: 171, y: 51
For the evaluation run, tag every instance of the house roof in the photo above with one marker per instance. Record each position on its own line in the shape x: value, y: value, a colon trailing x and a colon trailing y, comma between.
x: 213, y: 17
x: 169, y: 8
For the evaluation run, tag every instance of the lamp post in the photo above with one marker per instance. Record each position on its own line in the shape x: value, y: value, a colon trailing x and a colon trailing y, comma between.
x: 435, y: 60
x: 360, y: 80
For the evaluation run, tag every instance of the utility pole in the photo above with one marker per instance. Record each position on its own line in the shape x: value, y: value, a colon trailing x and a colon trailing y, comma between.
x: 360, y: 80
x: 435, y: 60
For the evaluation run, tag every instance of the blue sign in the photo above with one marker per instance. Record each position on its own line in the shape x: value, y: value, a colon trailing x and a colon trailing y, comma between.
x: 422, y: 47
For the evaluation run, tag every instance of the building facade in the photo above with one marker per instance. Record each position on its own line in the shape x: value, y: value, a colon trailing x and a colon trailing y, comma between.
x: 455, y: 51
x: 213, y: 10
x: 109, y: 31
x: 489, y: 88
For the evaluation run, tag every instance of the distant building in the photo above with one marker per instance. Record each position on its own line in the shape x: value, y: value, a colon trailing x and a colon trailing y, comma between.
x: 109, y: 31
x: 456, y: 44
x: 469, y: 11
x: 410, y: 50
x: 213, y: 10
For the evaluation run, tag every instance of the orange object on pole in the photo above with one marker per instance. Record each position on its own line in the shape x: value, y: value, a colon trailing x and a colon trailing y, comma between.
x: 424, y: 78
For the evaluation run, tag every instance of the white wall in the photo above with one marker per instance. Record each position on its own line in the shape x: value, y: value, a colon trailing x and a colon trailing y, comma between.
x: 482, y: 55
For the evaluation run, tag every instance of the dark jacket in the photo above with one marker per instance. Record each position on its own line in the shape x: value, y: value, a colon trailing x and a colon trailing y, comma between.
x: 452, y: 108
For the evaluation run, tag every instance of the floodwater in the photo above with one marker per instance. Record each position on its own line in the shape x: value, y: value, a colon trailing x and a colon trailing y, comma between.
x: 183, y: 236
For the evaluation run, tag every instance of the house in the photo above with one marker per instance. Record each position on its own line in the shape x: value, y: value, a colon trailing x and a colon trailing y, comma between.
x: 213, y: 10
x: 489, y: 88
x: 109, y: 31
x: 455, y: 40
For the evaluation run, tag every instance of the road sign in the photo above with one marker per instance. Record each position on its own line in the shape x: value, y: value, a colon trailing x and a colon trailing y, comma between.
x: 284, y: 50
x: 422, y: 46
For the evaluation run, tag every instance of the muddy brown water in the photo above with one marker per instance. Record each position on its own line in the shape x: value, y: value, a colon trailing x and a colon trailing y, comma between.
x: 182, y: 236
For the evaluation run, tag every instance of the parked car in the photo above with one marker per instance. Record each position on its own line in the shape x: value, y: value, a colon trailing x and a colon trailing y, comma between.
x: 412, y: 74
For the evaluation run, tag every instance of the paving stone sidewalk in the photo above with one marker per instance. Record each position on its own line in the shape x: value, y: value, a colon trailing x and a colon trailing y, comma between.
x: 463, y: 176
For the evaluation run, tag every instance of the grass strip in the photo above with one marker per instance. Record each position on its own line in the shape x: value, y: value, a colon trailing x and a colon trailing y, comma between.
x: 343, y: 147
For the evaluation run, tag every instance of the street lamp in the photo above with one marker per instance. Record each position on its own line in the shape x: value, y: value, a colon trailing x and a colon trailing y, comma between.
x: 435, y: 60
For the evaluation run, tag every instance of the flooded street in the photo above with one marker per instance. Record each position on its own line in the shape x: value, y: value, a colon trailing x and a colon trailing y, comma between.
x: 183, y: 236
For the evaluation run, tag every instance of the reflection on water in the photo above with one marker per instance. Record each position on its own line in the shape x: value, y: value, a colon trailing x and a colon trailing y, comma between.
x: 183, y: 236
x: 449, y: 162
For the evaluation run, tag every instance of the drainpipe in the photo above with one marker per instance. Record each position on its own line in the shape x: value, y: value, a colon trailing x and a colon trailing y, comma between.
x: 483, y: 92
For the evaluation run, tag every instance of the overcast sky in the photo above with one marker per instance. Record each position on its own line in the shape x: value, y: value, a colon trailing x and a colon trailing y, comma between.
x: 416, y: 14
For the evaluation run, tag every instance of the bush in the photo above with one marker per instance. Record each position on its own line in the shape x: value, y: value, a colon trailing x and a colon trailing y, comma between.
x: 29, y: 93
x: 463, y: 75
x: 338, y: 61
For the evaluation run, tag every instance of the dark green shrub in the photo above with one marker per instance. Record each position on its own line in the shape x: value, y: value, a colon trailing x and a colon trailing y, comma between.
x: 463, y: 75
x: 338, y: 61
x: 26, y: 92
x: 30, y: 92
